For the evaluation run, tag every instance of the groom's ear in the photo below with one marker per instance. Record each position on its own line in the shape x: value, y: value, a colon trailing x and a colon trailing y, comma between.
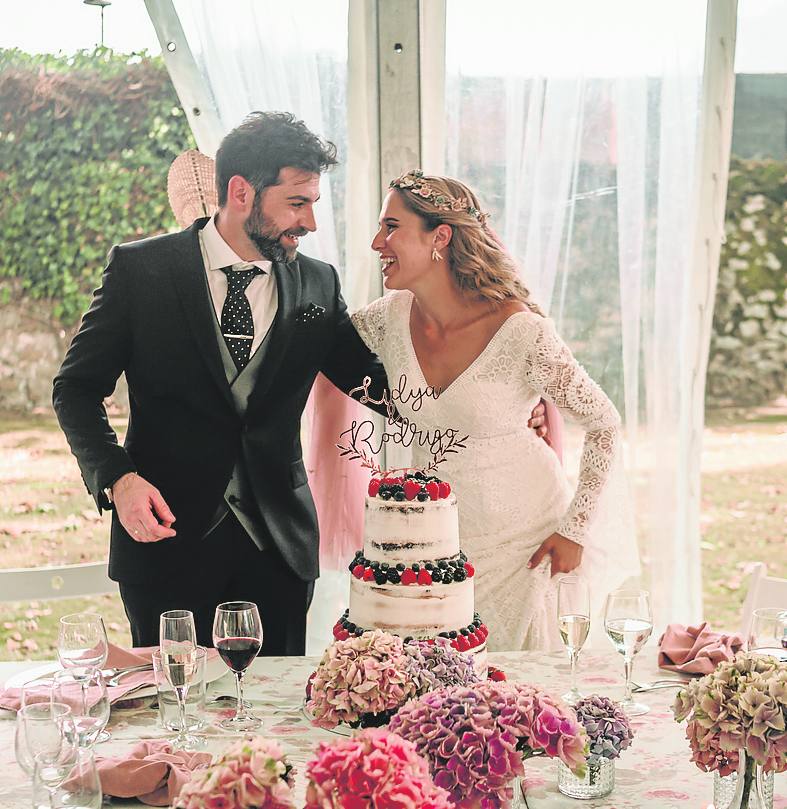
x: 240, y: 194
x: 442, y: 236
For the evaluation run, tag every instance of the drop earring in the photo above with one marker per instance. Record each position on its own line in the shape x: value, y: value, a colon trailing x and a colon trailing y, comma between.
x: 435, y: 255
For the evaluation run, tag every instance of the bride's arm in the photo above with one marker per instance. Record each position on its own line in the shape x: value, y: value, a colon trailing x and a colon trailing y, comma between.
x: 553, y: 372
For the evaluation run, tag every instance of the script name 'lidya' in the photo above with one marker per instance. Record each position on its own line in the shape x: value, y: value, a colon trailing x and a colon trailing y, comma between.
x: 362, y: 441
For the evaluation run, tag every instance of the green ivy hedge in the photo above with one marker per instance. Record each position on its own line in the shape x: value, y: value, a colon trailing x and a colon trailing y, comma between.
x: 85, y: 145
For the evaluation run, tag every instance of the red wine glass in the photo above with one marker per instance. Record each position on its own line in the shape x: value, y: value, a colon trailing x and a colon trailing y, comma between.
x: 237, y: 635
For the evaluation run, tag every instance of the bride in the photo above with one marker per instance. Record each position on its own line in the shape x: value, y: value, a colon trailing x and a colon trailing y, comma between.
x: 460, y: 320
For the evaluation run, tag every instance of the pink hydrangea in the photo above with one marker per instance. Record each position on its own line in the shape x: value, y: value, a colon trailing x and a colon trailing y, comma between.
x: 475, y: 739
x: 358, y: 676
x: 741, y: 705
x: 251, y: 774
x: 374, y: 768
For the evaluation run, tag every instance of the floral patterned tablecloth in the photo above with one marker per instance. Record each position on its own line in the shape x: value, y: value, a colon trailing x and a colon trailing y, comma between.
x: 655, y: 773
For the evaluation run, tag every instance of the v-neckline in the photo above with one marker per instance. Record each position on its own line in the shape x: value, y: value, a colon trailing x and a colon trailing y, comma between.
x: 477, y: 359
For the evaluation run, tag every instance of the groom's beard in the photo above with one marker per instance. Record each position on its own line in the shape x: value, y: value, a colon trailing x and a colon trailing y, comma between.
x: 267, y: 238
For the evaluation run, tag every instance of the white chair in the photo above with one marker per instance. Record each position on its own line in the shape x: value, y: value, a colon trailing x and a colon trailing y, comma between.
x: 764, y: 591
x: 65, y: 581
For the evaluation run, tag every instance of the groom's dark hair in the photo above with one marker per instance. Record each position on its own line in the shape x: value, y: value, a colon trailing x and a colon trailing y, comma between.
x: 264, y: 144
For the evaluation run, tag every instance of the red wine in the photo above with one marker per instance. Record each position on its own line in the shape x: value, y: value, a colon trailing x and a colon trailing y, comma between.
x: 238, y: 653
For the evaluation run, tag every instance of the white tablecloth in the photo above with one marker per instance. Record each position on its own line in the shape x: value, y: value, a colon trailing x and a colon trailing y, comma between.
x: 655, y: 772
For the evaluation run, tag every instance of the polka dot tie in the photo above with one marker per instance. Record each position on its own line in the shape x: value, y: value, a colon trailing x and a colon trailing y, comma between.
x: 237, y: 324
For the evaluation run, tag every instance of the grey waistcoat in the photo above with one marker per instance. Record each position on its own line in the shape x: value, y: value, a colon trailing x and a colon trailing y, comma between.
x: 238, y: 496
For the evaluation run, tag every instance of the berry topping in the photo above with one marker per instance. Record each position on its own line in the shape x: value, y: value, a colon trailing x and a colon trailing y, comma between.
x: 422, y: 496
x: 408, y: 576
x: 399, y: 496
x: 374, y: 487
x: 433, y: 490
x: 393, y: 576
x: 424, y: 577
x: 497, y: 675
x: 358, y: 571
x: 411, y: 489
x: 444, y: 490
x: 368, y: 574
x: 462, y: 644
x: 470, y: 570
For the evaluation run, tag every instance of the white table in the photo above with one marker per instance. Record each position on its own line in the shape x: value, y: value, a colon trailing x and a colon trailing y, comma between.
x: 655, y: 772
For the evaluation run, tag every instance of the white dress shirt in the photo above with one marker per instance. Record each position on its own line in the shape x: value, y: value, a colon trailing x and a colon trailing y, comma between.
x: 262, y: 293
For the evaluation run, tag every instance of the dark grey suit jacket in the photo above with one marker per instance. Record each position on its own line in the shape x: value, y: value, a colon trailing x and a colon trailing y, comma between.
x: 152, y: 320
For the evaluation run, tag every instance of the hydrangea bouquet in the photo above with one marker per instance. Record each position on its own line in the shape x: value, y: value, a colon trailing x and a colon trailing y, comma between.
x: 373, y: 768
x: 608, y: 729
x: 741, y: 707
x: 251, y: 774
x: 475, y: 739
x: 364, y: 679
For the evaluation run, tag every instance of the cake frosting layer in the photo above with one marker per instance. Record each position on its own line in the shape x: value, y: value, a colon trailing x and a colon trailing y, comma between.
x: 410, y: 531
x: 417, y: 611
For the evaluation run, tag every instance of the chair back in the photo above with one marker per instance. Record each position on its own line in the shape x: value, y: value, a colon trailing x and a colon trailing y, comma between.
x: 764, y: 591
x: 65, y: 581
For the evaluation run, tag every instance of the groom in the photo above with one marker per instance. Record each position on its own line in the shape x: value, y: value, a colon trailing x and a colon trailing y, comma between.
x: 220, y: 330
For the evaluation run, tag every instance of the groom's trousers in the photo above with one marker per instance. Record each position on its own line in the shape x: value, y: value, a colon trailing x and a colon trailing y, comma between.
x: 229, y: 567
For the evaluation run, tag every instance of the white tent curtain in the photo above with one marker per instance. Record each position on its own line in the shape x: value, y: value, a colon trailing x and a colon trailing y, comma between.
x: 578, y: 128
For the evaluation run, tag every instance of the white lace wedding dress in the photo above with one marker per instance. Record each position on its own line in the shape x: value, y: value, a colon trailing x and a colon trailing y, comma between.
x: 511, y: 488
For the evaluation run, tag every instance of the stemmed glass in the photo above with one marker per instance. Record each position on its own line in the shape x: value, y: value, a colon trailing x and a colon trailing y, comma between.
x: 85, y: 693
x: 573, y: 615
x: 50, y: 742
x: 178, y: 650
x: 237, y: 634
x: 45, y: 716
x: 628, y: 622
x: 82, y: 641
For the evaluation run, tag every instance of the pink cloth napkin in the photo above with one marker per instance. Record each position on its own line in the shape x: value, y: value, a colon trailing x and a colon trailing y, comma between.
x: 696, y: 649
x: 10, y: 698
x: 151, y: 772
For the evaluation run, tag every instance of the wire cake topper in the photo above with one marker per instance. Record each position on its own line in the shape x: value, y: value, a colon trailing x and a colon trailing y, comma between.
x: 360, y: 442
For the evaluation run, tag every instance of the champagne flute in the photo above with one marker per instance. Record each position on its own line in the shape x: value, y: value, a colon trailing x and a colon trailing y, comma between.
x: 237, y: 634
x: 573, y: 615
x: 178, y: 650
x: 628, y: 622
x: 82, y: 641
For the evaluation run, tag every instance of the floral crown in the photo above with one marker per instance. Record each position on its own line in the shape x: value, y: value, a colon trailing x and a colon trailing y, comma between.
x: 414, y: 182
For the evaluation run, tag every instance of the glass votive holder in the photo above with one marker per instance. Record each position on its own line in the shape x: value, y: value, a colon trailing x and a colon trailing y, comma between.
x: 169, y: 716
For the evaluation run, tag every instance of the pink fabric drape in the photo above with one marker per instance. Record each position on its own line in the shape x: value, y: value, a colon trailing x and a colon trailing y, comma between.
x: 338, y: 485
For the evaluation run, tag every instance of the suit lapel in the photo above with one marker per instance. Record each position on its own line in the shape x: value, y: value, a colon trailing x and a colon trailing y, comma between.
x: 288, y: 285
x: 188, y: 273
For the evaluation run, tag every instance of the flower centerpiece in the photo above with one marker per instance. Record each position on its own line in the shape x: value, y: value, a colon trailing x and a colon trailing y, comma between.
x: 609, y: 733
x: 364, y: 679
x: 475, y: 739
x: 373, y: 768
x: 250, y: 774
x: 737, y: 720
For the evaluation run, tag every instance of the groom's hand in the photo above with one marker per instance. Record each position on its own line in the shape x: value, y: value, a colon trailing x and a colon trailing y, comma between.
x: 566, y: 555
x: 141, y: 509
x: 538, y: 420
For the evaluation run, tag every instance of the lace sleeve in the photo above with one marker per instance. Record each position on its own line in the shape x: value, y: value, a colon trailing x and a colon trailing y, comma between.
x: 554, y: 373
x: 369, y: 322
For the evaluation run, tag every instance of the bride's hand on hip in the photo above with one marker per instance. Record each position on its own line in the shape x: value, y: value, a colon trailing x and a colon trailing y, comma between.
x: 566, y: 554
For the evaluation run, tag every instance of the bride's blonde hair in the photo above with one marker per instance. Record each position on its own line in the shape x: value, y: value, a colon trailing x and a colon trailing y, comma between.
x: 476, y: 257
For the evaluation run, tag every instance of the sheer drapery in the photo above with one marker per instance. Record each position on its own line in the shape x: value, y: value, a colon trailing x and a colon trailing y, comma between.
x: 578, y: 129
x: 262, y: 55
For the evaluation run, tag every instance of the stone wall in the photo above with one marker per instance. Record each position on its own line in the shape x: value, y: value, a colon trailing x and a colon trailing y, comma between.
x: 31, y: 350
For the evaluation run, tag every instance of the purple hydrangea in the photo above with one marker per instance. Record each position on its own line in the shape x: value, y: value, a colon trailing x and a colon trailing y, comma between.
x: 438, y: 664
x: 475, y: 739
x: 608, y: 728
